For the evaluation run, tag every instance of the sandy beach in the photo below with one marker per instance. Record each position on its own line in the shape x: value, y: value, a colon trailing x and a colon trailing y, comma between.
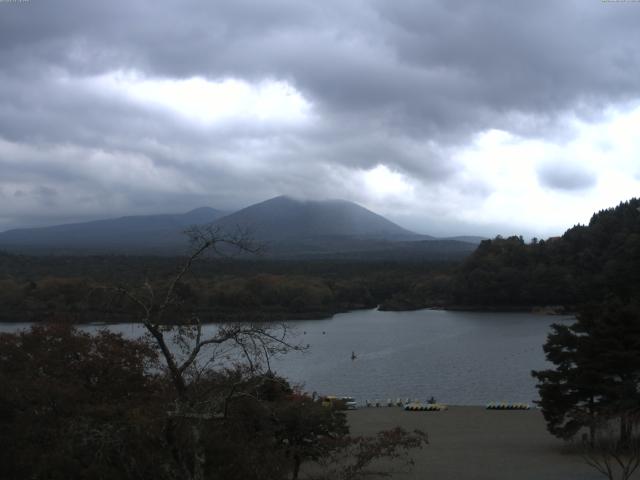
x: 472, y: 443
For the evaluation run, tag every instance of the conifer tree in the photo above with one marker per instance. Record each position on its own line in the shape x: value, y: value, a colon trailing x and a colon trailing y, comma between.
x: 597, y: 371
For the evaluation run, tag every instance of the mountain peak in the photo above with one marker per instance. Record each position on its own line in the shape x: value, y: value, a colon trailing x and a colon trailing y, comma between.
x: 291, y: 200
x: 285, y: 218
x: 284, y: 223
x: 201, y: 210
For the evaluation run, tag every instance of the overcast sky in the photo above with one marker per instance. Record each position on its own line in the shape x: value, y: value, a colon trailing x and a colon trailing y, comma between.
x: 448, y: 117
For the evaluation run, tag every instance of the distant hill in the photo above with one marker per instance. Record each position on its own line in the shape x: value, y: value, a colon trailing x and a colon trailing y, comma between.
x: 136, y: 233
x: 286, y: 227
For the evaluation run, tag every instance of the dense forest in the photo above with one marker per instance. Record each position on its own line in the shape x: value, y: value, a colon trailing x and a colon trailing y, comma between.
x: 588, y: 262
x: 80, y: 289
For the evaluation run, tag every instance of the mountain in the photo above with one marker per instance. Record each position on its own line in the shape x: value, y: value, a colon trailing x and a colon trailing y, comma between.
x: 284, y: 219
x: 286, y: 227
x: 303, y: 229
x: 132, y: 233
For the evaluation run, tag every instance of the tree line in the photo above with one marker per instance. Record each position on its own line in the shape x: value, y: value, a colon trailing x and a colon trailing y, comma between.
x: 588, y: 262
x: 71, y: 288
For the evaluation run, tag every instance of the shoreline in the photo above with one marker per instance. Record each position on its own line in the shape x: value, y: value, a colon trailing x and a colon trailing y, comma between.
x: 554, y: 310
x: 272, y: 317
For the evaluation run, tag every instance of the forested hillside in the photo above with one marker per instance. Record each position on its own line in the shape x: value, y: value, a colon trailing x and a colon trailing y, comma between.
x: 75, y: 288
x: 587, y: 263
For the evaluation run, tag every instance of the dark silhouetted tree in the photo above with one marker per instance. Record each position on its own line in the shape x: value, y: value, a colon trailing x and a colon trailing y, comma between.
x: 597, y: 371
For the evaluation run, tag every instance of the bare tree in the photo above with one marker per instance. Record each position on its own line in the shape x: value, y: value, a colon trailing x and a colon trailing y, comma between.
x: 187, y: 349
x: 238, y: 353
x: 614, y: 457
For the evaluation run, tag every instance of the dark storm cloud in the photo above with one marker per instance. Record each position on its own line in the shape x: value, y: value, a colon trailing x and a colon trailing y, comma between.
x: 396, y: 83
x: 431, y: 66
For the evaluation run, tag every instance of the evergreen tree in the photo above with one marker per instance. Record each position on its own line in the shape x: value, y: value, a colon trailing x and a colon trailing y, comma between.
x: 597, y: 371
x: 587, y: 263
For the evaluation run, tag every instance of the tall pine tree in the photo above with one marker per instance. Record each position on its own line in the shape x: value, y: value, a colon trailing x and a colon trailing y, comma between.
x: 596, y: 377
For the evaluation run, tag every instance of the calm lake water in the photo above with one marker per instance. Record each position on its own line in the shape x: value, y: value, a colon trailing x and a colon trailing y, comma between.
x: 460, y: 358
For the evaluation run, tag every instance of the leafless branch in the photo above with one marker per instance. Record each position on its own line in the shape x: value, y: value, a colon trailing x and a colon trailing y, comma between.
x: 609, y: 454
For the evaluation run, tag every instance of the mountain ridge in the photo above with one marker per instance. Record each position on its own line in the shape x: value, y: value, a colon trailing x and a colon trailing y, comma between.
x: 287, y: 227
x: 285, y: 218
x: 120, y: 232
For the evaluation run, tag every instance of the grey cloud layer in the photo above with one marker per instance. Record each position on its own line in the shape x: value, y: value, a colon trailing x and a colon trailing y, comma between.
x: 431, y: 65
x: 566, y: 176
x: 399, y: 83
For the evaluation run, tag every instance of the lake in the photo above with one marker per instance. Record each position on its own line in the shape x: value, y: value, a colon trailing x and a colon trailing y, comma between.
x: 460, y: 358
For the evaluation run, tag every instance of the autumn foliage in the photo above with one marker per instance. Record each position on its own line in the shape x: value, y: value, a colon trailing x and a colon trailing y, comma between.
x: 75, y: 405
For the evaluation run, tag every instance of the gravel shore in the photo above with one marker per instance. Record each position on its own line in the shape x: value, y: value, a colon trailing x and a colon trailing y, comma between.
x: 478, y: 444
